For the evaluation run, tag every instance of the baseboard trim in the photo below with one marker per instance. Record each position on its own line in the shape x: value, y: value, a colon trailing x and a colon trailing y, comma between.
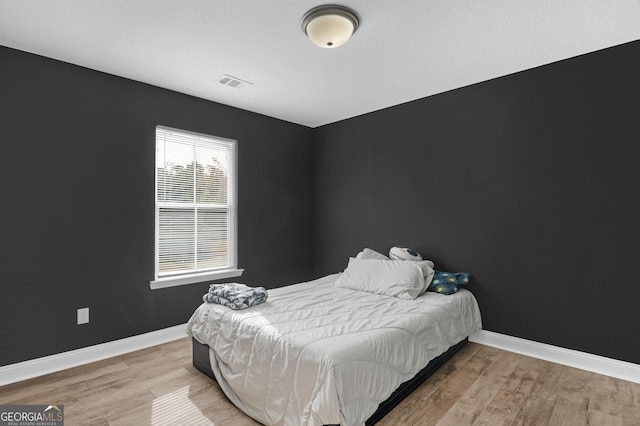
x: 582, y: 360
x: 50, y: 364
x: 37, y: 367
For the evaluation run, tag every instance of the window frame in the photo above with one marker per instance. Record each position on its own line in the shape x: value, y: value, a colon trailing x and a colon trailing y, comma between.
x: 227, y: 271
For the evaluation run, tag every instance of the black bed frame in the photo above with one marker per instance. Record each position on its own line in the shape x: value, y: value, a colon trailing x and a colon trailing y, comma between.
x: 201, y: 362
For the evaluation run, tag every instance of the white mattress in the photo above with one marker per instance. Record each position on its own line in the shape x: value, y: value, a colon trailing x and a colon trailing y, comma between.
x: 315, y: 354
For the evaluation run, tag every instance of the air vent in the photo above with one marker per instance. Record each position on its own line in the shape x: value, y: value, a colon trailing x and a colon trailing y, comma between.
x: 233, y: 82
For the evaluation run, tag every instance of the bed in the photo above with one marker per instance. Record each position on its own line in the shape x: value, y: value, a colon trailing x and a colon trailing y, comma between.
x: 325, y: 353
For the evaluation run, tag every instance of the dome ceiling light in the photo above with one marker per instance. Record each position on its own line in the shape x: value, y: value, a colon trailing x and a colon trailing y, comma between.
x: 330, y: 26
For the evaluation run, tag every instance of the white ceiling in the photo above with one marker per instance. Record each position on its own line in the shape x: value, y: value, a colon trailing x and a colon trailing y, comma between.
x: 403, y: 50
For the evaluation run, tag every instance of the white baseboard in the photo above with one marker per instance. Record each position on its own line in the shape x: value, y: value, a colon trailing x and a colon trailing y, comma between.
x: 37, y: 367
x: 50, y: 364
x: 582, y: 360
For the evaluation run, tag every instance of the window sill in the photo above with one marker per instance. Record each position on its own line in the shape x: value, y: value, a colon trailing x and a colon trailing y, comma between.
x: 194, y: 278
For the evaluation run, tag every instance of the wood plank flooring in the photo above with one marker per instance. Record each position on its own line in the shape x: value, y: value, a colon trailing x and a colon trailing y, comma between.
x: 480, y: 385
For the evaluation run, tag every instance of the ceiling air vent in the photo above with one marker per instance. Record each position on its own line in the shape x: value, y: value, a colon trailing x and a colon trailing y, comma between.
x: 234, y: 82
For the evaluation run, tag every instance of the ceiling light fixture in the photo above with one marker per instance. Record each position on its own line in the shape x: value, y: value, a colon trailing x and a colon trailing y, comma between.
x: 330, y: 26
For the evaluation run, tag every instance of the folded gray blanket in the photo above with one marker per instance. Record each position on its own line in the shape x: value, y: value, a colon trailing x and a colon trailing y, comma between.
x: 235, y: 295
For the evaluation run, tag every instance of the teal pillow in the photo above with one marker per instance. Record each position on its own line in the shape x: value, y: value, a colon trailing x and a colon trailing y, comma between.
x: 448, y: 282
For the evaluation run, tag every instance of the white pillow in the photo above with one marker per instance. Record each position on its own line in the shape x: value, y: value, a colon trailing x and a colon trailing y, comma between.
x: 426, y: 266
x: 367, y: 253
x: 395, y: 278
x: 427, y: 270
x: 404, y: 253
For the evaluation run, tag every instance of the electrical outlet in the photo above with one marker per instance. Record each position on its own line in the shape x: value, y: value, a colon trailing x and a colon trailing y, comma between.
x: 83, y: 316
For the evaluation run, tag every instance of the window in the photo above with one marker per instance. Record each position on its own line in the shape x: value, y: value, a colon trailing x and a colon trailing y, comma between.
x: 196, y: 236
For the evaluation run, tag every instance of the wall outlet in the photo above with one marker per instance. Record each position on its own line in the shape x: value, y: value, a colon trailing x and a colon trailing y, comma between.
x: 83, y: 316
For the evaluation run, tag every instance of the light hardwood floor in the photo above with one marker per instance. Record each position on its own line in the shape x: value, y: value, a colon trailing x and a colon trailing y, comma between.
x: 480, y: 385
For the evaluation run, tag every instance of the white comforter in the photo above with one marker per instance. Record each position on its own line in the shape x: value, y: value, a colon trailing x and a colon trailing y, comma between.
x: 315, y: 354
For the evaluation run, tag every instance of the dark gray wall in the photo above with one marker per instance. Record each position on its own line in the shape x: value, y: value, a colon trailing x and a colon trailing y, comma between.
x: 78, y: 150
x: 530, y: 182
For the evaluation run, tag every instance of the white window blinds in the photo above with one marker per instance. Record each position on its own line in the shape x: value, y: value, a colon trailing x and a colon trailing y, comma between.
x: 195, y: 203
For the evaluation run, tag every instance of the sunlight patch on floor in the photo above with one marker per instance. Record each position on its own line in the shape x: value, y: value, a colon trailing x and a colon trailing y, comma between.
x: 177, y: 409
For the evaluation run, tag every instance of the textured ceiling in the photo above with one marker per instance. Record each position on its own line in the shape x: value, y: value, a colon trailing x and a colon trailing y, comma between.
x: 403, y: 50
